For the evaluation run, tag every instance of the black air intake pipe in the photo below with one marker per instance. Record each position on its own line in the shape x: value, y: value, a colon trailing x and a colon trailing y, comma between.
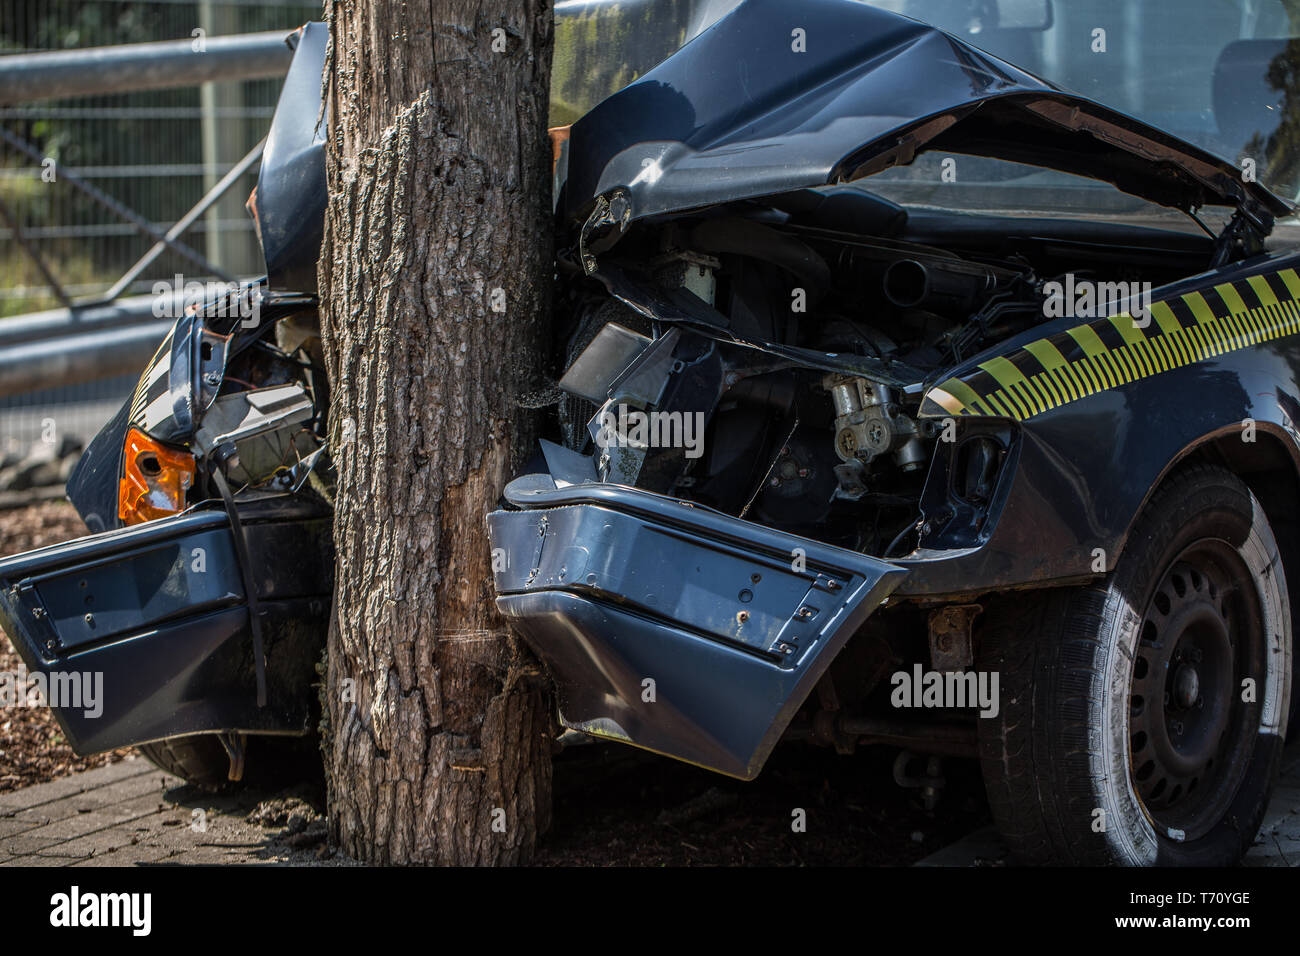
x: 947, y: 287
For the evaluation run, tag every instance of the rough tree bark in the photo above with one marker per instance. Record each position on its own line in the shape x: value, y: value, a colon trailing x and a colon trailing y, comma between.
x: 434, y: 280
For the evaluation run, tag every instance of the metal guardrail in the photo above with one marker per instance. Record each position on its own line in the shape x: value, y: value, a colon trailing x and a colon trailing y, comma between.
x: 41, y: 350
x: 26, y: 77
x: 74, y: 359
x: 62, y: 323
x: 109, y: 203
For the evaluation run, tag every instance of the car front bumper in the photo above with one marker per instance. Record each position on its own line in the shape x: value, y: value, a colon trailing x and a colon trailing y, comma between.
x: 143, y: 633
x: 673, y: 627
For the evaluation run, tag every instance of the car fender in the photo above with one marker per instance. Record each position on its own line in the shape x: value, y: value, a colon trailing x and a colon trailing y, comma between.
x: 1098, y: 412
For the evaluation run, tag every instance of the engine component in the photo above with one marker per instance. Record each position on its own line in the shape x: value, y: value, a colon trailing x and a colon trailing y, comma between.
x: 257, y: 434
x: 692, y: 271
x: 868, y: 424
x: 699, y: 279
x: 756, y: 240
x: 800, y: 484
x: 604, y: 359
x: 620, y: 456
x: 948, y: 287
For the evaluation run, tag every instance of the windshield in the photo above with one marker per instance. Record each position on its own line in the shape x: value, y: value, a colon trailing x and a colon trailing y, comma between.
x: 1221, y: 74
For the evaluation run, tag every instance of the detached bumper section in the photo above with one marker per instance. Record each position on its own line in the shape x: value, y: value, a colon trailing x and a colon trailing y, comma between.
x: 156, y: 616
x: 673, y: 627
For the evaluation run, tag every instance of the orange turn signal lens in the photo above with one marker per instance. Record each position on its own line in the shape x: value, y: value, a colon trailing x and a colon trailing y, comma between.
x: 559, y: 135
x: 154, y: 481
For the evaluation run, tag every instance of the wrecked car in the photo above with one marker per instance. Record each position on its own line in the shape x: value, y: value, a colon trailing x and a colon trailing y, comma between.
x: 903, y: 398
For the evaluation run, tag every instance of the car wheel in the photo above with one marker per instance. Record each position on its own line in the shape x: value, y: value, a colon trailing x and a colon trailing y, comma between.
x: 199, y: 759
x: 1141, y: 718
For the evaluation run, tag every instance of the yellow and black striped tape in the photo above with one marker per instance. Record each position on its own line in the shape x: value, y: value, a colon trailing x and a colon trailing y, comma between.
x: 1108, y: 352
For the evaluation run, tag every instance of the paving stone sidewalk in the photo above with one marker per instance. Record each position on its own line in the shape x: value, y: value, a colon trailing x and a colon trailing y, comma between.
x: 1278, y: 842
x: 131, y: 813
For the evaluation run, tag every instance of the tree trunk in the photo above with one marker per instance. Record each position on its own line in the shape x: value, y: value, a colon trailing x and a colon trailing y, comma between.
x: 435, y: 289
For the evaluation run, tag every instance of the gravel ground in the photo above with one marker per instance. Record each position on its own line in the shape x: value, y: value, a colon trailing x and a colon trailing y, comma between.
x: 47, y: 522
x: 32, y: 748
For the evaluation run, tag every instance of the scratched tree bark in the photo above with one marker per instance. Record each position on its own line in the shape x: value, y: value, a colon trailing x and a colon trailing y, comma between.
x: 435, y: 273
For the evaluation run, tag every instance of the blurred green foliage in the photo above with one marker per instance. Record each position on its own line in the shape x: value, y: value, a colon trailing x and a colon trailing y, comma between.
x: 602, y: 47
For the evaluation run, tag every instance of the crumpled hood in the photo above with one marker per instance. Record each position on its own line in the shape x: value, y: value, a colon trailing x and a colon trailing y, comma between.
x: 778, y: 96
x: 290, y: 199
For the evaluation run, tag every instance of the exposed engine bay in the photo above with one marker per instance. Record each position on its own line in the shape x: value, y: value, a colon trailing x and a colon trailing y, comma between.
x: 801, y: 351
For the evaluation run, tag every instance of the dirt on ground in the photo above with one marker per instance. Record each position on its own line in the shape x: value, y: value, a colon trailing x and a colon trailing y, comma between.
x: 615, y: 806
x: 35, y: 526
x: 32, y: 747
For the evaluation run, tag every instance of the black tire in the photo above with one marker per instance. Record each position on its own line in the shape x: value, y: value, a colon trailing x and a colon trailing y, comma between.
x: 201, y: 760
x: 1078, y: 768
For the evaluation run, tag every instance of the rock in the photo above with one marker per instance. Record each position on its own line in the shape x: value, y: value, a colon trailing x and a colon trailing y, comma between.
x: 11, y: 453
x: 313, y: 834
x: 43, y: 464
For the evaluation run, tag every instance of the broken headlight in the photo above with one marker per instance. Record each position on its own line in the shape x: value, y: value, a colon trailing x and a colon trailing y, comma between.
x: 155, y: 479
